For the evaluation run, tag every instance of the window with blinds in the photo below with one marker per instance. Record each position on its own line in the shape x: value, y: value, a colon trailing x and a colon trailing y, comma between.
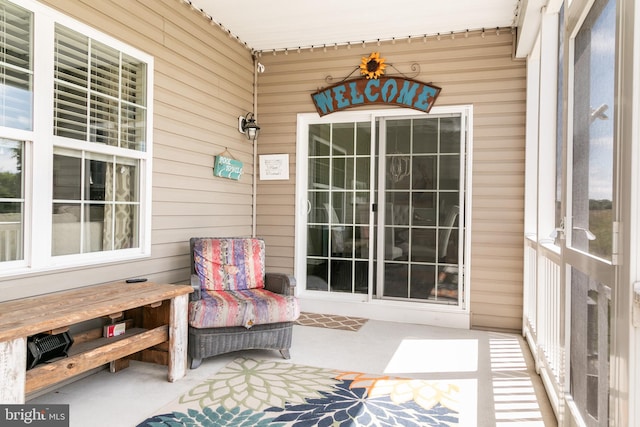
x: 16, y: 67
x: 94, y: 204
x: 16, y: 101
x: 99, y: 92
x: 99, y: 97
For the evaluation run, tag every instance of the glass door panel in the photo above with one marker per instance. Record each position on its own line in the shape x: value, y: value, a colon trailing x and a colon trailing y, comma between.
x: 422, y: 181
x: 12, y: 201
x: 338, y: 205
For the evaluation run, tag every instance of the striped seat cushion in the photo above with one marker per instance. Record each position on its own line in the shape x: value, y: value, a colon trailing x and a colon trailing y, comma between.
x: 229, y: 264
x: 246, y: 308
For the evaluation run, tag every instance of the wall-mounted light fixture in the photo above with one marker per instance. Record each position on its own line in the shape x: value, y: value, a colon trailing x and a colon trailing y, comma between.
x: 248, y: 126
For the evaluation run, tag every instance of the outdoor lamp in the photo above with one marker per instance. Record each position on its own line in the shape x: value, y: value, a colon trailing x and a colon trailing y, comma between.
x: 248, y: 126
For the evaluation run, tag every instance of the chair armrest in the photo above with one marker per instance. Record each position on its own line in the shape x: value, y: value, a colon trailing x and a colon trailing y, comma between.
x: 280, y: 283
x: 195, y: 284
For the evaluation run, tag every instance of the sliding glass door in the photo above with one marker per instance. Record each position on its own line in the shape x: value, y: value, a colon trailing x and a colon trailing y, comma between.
x: 384, y: 205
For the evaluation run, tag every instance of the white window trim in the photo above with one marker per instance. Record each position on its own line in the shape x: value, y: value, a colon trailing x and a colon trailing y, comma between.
x: 547, y: 128
x: 38, y: 186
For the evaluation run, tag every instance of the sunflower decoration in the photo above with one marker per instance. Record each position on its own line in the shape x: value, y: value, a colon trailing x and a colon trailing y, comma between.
x: 373, y: 66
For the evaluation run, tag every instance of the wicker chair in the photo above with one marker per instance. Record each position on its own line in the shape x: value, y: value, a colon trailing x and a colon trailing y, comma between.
x: 235, y: 305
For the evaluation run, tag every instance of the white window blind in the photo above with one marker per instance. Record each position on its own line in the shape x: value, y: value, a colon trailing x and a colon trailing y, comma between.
x: 99, y: 92
x: 16, y: 69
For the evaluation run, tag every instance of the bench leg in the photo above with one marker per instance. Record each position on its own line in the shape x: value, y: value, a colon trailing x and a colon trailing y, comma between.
x: 195, y: 363
x: 13, y: 370
x: 285, y: 353
x: 178, y: 334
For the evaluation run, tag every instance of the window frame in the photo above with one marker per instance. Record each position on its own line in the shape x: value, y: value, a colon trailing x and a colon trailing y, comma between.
x: 39, y: 147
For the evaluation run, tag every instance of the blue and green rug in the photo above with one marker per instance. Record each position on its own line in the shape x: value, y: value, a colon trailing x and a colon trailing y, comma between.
x: 251, y: 393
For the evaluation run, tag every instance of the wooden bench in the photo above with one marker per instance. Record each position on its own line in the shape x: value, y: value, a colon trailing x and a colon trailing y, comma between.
x: 156, y: 332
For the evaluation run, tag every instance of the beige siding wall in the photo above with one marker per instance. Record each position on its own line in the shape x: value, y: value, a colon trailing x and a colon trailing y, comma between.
x: 203, y: 82
x: 474, y: 70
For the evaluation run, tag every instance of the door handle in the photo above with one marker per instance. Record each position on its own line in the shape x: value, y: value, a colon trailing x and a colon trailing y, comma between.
x: 590, y: 235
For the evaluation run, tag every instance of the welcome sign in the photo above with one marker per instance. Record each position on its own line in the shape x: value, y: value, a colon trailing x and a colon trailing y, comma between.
x: 226, y: 167
x: 398, y: 91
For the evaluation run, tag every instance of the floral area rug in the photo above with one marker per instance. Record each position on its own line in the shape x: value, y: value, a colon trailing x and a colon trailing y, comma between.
x: 252, y: 393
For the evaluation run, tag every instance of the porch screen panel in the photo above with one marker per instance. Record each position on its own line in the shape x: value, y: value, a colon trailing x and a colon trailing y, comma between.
x: 591, y: 213
x: 593, y: 132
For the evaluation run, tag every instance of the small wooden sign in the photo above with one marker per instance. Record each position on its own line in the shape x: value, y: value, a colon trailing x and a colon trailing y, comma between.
x: 226, y: 167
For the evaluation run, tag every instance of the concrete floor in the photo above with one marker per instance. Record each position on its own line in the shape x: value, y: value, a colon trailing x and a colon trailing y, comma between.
x: 495, y: 369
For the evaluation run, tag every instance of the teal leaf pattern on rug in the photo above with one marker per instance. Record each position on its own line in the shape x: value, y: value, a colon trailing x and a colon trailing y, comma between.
x: 212, y: 418
x: 351, y: 407
x: 261, y: 385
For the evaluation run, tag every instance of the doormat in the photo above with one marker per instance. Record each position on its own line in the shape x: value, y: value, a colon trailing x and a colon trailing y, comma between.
x: 261, y: 393
x: 331, y: 321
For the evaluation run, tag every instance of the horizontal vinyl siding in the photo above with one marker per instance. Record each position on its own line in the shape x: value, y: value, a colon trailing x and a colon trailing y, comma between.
x: 474, y: 70
x: 203, y: 82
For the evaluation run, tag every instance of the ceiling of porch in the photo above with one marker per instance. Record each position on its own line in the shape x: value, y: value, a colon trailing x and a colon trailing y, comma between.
x: 292, y: 24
